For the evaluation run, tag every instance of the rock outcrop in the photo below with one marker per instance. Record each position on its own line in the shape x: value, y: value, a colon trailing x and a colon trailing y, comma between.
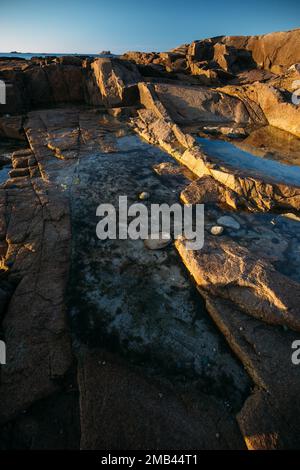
x: 37, y: 238
x: 274, y: 52
x: 187, y: 104
x: 66, y: 147
x: 57, y: 81
x: 40, y: 84
x: 115, y: 404
x: 156, y: 125
x: 229, y: 271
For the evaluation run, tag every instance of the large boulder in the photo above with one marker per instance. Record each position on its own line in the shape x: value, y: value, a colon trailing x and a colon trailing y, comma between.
x: 37, y: 86
x: 273, y: 51
x: 11, y: 127
x: 278, y: 109
x: 229, y: 271
x: 143, y: 58
x: 275, y: 103
x: 117, y: 81
x: 187, y: 104
x: 201, y: 50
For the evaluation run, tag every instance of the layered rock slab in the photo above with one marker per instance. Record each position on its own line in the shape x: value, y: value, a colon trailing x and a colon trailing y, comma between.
x: 38, y: 349
x: 275, y: 103
x: 68, y: 149
x: 269, y: 418
x: 186, y: 104
x: 35, y: 255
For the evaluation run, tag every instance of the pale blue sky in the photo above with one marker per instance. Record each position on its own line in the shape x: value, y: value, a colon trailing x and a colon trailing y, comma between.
x: 90, y: 26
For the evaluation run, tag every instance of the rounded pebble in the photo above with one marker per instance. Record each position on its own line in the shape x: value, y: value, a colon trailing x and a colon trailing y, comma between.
x: 144, y: 195
x: 217, y: 230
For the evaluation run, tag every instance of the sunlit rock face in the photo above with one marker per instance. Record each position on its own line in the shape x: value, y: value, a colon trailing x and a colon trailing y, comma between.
x: 117, y: 81
x: 186, y: 104
x: 272, y: 143
x: 220, y: 58
x: 275, y: 51
x: 275, y: 103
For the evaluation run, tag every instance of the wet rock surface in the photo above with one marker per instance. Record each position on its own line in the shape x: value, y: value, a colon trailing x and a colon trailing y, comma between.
x: 142, y: 297
x: 267, y: 420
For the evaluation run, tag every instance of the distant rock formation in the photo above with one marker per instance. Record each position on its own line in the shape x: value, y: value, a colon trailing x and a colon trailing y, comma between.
x: 274, y: 52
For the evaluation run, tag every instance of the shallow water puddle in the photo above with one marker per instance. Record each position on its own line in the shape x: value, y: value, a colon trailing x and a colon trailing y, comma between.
x: 4, y: 173
x: 269, y: 170
x: 7, y: 146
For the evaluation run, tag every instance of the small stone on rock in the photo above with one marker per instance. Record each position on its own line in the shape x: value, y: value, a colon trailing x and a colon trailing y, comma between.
x: 217, y: 230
